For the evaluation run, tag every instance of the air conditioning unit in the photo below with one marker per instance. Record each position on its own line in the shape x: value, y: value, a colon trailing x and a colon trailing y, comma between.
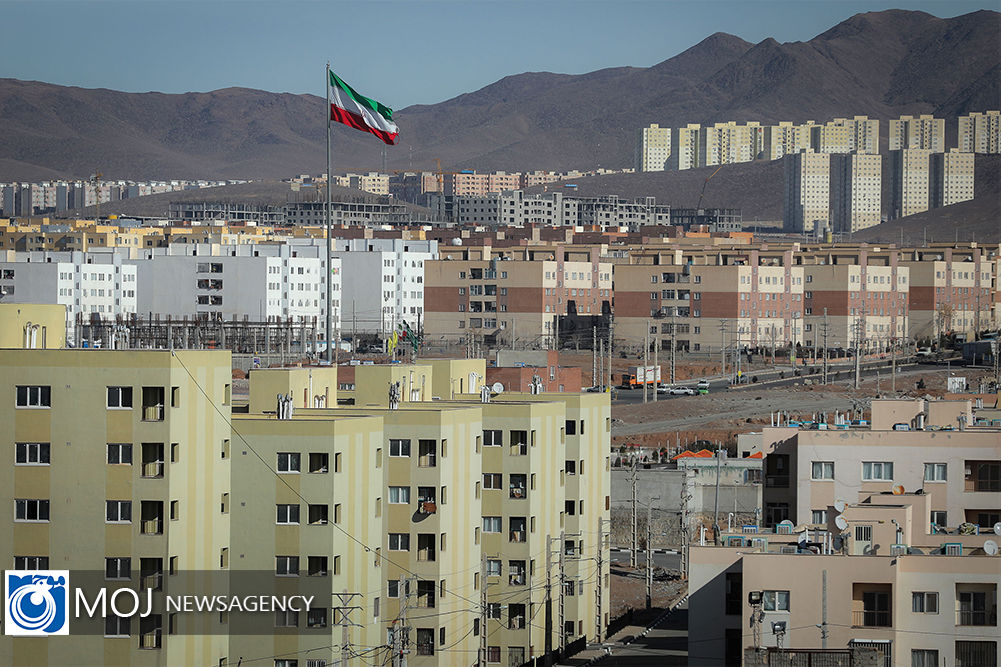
x: 952, y: 549
x: 898, y: 549
x: 789, y: 549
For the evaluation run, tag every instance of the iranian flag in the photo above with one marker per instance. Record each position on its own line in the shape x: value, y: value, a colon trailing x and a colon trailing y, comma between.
x: 361, y: 113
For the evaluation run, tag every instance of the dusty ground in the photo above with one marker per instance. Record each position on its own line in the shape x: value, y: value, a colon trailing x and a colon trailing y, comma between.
x: 718, y: 416
x: 628, y: 589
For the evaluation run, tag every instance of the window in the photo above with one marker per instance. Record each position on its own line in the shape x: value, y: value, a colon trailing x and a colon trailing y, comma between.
x: 316, y: 566
x: 426, y: 453
x: 31, y: 453
x: 939, y: 518
x: 399, y: 541
x: 287, y: 514
x: 31, y: 510
x: 399, y: 448
x: 316, y: 617
x: 118, y: 511
x: 822, y: 470
x: 425, y: 546
x: 519, y: 443
x: 571, y: 427
x: 775, y: 600
x: 116, y: 626
x: 287, y: 566
x: 517, y: 485
x: 935, y: 472
x: 977, y: 604
x: 318, y: 514
x: 425, y: 641
x: 877, y: 471
x: 494, y: 438
x: 492, y: 524
x: 31, y: 562
x: 820, y: 517
x: 493, y: 610
x: 286, y: 619
x: 426, y: 594
x: 493, y: 654
x: 976, y: 654
x: 119, y: 398
x: 493, y: 480
x: 493, y: 567
x: 120, y: 453
x: 924, y: 657
x: 117, y: 568
x: 399, y: 495
x: 34, y: 397
x: 288, y: 462
x: 924, y: 602
x: 318, y: 462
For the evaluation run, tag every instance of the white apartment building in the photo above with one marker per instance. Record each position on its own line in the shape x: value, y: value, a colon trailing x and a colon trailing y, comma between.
x: 844, y: 135
x: 654, y: 148
x: 909, y: 171
x: 807, y: 191
x: 88, y: 284
x: 729, y: 143
x: 260, y: 282
x: 685, y: 147
x: 384, y: 282
x: 785, y: 138
x: 856, y: 180
x: 980, y: 132
x: 952, y: 177
x: 925, y: 131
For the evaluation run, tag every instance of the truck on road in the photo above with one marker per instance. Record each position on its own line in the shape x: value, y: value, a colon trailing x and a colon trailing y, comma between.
x: 637, y: 376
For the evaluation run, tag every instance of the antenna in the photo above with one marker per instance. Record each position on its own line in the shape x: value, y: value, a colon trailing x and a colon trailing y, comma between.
x: 497, y: 388
x: 841, y: 522
x: 991, y: 548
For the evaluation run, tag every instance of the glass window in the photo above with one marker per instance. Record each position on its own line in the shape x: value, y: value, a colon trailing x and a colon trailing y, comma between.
x: 31, y: 453
x: 120, y: 453
x: 399, y: 495
x: 822, y: 470
x: 776, y: 600
x: 289, y: 462
x: 120, y: 397
x: 877, y: 471
x: 923, y: 602
x: 492, y: 524
x: 935, y: 472
x: 399, y: 448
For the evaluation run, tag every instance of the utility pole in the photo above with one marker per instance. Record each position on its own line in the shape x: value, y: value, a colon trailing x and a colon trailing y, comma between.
x: 594, y: 357
x: 600, y: 380
x: 646, y: 358
x: 343, y: 614
x: 656, y: 364
x: 722, y: 346
x: 823, y: 610
x: 674, y: 343
x: 609, y: 371
x: 684, y: 525
x: 599, y: 628
x: 632, y: 545
x: 893, y: 363
x: 719, y: 460
x: 549, y: 595
x: 562, y: 633
x: 401, y: 633
x: 826, y: 331
x: 859, y: 329
x: 649, y: 552
x: 482, y: 655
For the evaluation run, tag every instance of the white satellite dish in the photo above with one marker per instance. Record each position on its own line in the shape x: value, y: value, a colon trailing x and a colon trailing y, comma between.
x: 997, y: 528
x: 841, y: 522
x: 497, y: 388
x: 840, y: 505
x: 991, y: 548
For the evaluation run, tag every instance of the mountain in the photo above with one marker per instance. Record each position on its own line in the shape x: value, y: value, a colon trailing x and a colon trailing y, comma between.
x: 881, y: 64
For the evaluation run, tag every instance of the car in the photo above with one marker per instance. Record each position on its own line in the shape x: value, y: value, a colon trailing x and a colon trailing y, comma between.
x: 702, y: 385
x: 594, y: 390
x: 682, y: 391
x: 923, y: 352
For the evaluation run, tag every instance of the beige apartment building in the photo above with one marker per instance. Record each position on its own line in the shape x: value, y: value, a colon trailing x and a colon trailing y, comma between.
x: 513, y: 293
x: 845, y: 135
x: 787, y: 137
x: 702, y: 300
x: 685, y: 147
x: 654, y: 148
x: 806, y: 208
x: 951, y: 177
x: 924, y: 131
x: 980, y: 132
x: 729, y: 143
x: 909, y: 171
x: 856, y: 183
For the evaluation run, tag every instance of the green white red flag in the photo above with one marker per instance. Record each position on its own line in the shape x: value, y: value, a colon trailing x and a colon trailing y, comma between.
x: 360, y: 112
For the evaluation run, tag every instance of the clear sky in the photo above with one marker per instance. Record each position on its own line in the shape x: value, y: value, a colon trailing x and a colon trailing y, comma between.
x: 402, y: 53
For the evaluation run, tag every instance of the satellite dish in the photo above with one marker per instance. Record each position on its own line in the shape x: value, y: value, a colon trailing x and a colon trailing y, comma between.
x: 840, y: 505
x: 997, y: 528
x: 898, y: 490
x: 841, y: 522
x: 991, y: 548
x: 497, y: 388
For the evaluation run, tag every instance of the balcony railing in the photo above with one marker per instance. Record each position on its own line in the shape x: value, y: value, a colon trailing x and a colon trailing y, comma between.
x: 976, y: 618
x: 866, y: 618
x: 152, y: 469
x: 152, y: 527
x: 153, y: 580
x: 516, y: 579
x: 150, y: 640
x: 517, y: 535
x: 152, y: 413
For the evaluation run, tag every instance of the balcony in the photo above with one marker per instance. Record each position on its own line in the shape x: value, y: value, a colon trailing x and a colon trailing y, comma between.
x: 777, y: 481
x: 151, y: 517
x: 868, y: 618
x: 983, y: 617
x: 152, y: 404
x: 516, y: 579
x: 152, y: 459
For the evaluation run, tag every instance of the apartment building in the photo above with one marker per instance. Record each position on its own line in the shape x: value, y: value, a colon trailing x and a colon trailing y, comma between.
x: 654, y: 148
x: 951, y: 178
x: 513, y: 293
x: 980, y: 132
x: 32, y: 326
x: 924, y: 131
x: 685, y: 147
x: 374, y: 182
x: 845, y: 135
x: 852, y: 297
x: 856, y: 185
x: 700, y: 300
x: 106, y: 473
x: 785, y: 138
x: 88, y: 285
x: 806, y: 206
x: 729, y: 143
x: 909, y: 171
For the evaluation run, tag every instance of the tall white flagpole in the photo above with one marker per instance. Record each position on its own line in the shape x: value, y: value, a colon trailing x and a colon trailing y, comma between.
x: 330, y: 272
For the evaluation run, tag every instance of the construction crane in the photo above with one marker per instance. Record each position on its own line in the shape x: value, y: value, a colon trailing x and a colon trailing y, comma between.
x: 704, y: 184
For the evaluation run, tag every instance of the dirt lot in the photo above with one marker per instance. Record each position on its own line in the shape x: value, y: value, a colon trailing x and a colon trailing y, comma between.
x: 628, y: 589
x: 720, y: 415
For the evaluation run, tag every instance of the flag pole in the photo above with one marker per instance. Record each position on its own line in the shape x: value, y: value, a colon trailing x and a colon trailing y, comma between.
x: 330, y: 272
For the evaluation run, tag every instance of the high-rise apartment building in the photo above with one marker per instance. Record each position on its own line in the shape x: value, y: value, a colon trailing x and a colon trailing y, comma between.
x: 654, y: 148
x: 729, y: 143
x: 951, y: 178
x: 909, y: 187
x: 807, y: 191
x: 856, y: 184
x: 844, y: 135
x: 924, y: 131
x: 785, y: 138
x: 980, y: 132
x: 685, y: 147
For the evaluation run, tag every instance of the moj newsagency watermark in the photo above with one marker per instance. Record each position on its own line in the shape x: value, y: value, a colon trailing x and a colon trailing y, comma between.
x: 40, y: 603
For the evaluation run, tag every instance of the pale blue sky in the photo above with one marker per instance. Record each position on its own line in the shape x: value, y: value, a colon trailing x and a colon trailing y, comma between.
x: 402, y: 53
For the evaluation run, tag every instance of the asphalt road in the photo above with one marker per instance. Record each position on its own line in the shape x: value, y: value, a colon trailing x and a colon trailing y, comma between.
x: 666, y: 561
x: 666, y: 644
